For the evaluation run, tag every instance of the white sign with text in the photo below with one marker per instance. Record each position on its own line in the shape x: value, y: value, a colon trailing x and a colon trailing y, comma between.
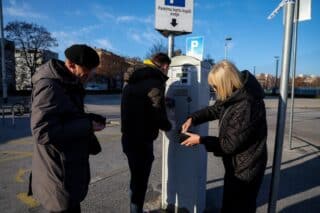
x: 174, y: 15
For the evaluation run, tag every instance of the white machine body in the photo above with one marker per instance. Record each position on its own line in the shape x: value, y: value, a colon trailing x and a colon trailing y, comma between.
x: 185, y: 168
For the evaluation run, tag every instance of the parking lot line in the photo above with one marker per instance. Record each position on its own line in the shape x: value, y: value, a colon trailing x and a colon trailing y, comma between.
x: 8, y: 155
x: 28, y: 200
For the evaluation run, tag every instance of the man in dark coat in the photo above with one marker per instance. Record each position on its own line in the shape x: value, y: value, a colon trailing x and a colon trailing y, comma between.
x: 143, y: 113
x: 63, y: 132
x: 242, y: 134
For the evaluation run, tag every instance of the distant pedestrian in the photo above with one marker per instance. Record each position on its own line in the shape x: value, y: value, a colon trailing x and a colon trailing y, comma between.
x: 63, y: 132
x: 242, y: 134
x: 143, y: 113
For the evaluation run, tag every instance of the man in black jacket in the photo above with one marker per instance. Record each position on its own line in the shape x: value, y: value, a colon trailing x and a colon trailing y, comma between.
x: 142, y: 115
x: 63, y: 132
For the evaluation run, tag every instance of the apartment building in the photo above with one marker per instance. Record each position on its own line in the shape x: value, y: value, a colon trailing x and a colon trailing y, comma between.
x: 23, y: 72
x: 9, y: 48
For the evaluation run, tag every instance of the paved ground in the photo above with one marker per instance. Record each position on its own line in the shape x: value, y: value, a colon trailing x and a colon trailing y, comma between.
x: 299, y: 189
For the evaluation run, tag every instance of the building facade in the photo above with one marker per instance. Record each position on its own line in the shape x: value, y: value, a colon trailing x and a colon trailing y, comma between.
x: 23, y: 72
x: 110, y: 70
x: 267, y: 81
x: 9, y: 48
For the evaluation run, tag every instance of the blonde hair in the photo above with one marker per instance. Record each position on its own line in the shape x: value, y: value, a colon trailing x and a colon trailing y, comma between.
x: 224, y: 77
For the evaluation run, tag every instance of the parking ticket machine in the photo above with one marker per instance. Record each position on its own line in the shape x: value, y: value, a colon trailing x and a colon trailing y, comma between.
x: 184, y: 169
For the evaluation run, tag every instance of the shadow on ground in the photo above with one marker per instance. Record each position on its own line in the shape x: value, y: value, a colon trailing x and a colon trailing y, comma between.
x: 20, y: 129
x: 293, y: 180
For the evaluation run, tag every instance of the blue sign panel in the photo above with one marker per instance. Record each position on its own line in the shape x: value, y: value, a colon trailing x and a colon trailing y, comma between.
x: 176, y: 3
x: 194, y: 47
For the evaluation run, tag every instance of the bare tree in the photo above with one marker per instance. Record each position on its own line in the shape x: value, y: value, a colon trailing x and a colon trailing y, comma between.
x: 158, y: 46
x: 30, y: 39
x: 209, y: 59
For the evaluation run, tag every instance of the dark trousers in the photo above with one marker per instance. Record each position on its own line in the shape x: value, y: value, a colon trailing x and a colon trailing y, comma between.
x: 240, y: 196
x: 140, y: 158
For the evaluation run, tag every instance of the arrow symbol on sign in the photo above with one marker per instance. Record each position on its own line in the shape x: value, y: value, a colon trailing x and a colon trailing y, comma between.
x: 174, y: 22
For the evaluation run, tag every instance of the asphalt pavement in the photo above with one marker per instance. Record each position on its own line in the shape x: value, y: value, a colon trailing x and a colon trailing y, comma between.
x: 299, y: 188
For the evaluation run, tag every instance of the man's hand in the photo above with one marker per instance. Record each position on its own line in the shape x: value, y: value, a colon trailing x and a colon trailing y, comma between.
x: 96, y: 126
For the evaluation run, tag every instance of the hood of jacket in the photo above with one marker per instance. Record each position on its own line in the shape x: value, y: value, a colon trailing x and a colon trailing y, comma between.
x: 54, y: 69
x: 146, y: 71
x: 251, y: 89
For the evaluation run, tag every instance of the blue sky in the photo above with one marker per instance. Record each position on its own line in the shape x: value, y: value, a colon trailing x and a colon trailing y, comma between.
x: 126, y: 27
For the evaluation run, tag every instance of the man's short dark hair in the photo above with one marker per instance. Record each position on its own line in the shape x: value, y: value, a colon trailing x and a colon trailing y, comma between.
x: 160, y: 59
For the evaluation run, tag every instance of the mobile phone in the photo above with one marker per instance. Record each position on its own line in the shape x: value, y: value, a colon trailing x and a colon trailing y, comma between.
x: 183, y: 137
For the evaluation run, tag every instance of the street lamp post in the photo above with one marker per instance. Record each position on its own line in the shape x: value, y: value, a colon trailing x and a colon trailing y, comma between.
x: 3, y: 62
x: 226, y: 47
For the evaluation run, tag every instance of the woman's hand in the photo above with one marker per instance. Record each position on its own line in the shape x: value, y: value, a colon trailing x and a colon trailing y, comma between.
x: 186, y: 125
x: 96, y: 126
x: 194, y: 139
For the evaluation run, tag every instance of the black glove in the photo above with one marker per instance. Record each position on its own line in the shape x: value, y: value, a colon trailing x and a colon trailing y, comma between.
x: 97, y: 118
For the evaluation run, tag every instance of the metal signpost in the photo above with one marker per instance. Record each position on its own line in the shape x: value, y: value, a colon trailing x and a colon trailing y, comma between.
x: 282, y: 107
x: 173, y: 17
x: 302, y: 12
x: 293, y: 74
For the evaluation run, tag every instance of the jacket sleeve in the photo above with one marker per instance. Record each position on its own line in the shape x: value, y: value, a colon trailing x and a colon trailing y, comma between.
x: 50, y: 122
x: 209, y: 113
x: 156, y: 96
x: 241, y: 128
x: 212, y: 144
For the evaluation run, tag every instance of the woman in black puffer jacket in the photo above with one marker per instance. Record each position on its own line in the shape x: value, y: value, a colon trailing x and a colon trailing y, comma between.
x: 242, y: 134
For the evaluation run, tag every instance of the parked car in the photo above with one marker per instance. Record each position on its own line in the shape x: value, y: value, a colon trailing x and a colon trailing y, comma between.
x: 95, y: 86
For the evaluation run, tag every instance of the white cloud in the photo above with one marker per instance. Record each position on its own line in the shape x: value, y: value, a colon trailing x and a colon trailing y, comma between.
x: 145, y: 20
x: 89, y: 29
x: 75, y: 34
x: 100, y: 13
x: 75, y: 13
x: 125, y: 18
x: 104, y: 43
x: 136, y: 37
x: 104, y: 15
x: 23, y: 10
x: 65, y: 39
x: 149, y: 19
x: 145, y: 38
x: 151, y: 36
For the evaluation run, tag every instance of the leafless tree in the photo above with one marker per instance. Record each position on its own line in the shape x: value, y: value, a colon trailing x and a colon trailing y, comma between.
x: 209, y: 59
x: 30, y: 39
x: 158, y: 46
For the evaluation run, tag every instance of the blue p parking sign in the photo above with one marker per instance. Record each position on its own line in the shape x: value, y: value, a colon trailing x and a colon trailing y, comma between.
x: 176, y: 3
x: 194, y: 47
